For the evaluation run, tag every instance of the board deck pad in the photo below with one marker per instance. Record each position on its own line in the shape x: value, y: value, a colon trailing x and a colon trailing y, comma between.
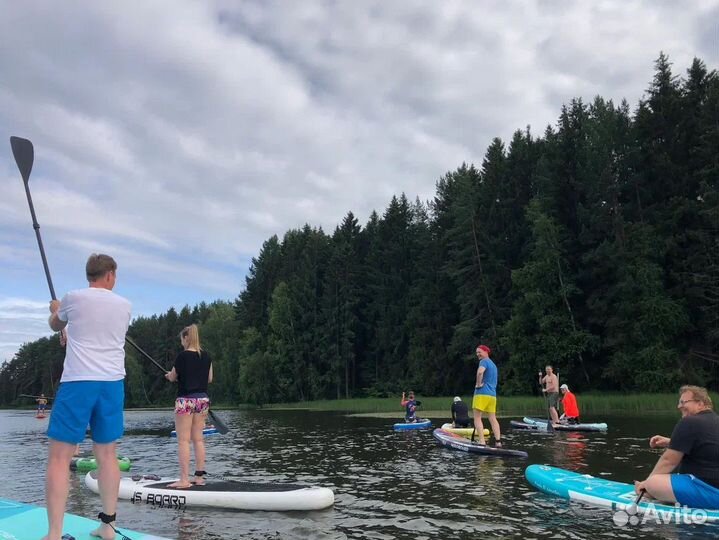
x: 230, y: 486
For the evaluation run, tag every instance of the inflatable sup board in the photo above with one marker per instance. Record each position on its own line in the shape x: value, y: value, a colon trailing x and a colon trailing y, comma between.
x: 421, y: 423
x: 19, y: 521
x: 154, y: 490
x: 565, y: 427
x: 209, y: 430
x: 610, y: 494
x: 457, y: 442
x: 464, y: 432
x: 88, y: 463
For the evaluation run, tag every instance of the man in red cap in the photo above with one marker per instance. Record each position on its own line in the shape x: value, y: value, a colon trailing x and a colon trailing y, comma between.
x: 485, y: 395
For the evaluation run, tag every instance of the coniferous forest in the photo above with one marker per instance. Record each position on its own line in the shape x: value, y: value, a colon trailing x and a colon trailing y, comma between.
x: 592, y: 247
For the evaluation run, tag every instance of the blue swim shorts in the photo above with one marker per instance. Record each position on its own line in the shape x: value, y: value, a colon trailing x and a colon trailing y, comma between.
x: 78, y: 404
x: 692, y: 492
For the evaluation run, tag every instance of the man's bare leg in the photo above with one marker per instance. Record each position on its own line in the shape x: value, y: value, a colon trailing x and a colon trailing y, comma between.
x: 479, y: 425
x: 57, y: 485
x: 495, y: 428
x: 108, y: 480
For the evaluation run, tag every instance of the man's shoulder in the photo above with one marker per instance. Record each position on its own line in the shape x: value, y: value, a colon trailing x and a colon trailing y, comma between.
x: 701, y: 417
x: 697, y: 421
x: 96, y: 294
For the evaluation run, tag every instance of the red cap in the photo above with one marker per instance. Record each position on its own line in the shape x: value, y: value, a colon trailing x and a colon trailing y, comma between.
x: 485, y: 349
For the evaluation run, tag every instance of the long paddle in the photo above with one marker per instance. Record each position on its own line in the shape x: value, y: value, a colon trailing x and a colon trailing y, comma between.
x: 219, y: 424
x: 34, y: 397
x: 24, y: 154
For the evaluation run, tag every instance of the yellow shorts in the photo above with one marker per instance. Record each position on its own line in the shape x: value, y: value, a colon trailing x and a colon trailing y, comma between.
x: 484, y: 403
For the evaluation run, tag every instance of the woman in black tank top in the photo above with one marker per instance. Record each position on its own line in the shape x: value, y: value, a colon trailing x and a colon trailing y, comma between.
x: 192, y: 372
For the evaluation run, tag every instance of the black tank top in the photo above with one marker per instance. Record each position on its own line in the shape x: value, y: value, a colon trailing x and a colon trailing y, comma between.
x: 192, y: 370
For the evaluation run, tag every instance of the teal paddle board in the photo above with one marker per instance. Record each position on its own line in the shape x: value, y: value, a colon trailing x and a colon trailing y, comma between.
x: 19, y: 521
x: 616, y: 496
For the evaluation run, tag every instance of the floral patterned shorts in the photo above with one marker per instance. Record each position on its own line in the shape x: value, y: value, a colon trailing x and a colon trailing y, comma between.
x: 189, y: 405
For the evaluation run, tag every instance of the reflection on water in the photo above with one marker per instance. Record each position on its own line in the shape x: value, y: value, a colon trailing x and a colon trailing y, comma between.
x: 388, y: 485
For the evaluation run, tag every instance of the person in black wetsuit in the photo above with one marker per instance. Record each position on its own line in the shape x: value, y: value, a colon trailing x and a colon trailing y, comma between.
x: 460, y: 413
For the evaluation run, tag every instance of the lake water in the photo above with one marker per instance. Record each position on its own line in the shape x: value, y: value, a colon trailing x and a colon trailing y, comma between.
x: 387, y: 485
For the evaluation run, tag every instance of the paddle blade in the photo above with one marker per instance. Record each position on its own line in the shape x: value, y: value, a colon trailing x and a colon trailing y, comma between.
x: 219, y: 424
x: 24, y: 156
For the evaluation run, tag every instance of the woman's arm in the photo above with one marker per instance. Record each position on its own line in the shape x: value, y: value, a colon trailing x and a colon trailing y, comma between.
x: 209, y: 376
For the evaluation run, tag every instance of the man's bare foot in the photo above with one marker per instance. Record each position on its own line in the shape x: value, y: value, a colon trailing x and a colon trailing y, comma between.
x: 104, y: 531
x: 180, y: 485
x: 199, y: 481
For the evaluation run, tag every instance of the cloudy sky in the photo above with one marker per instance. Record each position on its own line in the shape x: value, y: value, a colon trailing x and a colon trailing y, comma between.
x: 179, y: 135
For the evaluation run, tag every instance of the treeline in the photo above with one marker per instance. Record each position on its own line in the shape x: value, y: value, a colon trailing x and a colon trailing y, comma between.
x: 593, y: 248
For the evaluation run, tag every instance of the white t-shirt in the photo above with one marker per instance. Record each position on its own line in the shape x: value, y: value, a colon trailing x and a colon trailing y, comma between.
x: 97, y: 321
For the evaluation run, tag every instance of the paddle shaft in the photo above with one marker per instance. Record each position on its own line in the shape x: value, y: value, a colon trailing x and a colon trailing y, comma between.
x: 129, y: 340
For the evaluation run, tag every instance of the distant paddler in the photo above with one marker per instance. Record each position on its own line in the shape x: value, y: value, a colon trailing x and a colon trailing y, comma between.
x: 550, y: 388
x: 460, y: 413
x: 569, y: 404
x: 410, y: 407
x: 41, y: 404
x: 485, y: 395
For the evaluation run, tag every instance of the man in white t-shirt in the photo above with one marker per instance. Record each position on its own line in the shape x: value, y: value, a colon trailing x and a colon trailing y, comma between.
x: 91, y: 390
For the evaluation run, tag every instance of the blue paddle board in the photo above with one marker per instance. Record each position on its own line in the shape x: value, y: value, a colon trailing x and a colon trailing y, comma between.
x: 610, y: 494
x: 209, y: 430
x: 19, y: 521
x: 419, y: 424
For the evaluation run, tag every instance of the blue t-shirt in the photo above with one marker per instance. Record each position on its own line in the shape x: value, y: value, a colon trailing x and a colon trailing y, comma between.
x: 489, y: 378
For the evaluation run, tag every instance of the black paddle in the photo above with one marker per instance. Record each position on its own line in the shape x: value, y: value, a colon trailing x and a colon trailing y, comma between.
x: 219, y: 424
x: 24, y: 154
x: 34, y: 397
